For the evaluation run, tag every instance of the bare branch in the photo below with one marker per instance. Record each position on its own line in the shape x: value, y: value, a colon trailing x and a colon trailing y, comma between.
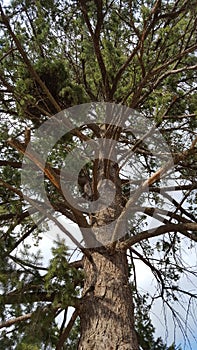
x: 67, y: 330
x: 183, y: 228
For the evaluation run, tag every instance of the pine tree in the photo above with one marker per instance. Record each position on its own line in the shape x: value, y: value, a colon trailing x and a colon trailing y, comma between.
x: 135, y: 63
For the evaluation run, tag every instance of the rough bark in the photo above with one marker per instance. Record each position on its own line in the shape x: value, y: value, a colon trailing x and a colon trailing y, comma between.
x: 107, y: 315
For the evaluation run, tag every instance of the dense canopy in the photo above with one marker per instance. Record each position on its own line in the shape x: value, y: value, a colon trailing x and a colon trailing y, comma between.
x: 56, y: 55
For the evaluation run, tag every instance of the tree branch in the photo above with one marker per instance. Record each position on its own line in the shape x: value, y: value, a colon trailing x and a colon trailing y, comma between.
x: 48, y: 171
x: 16, y: 165
x: 183, y: 228
x: 154, y: 270
x: 15, y: 320
x: 67, y: 330
x: 46, y: 168
x: 41, y: 207
x: 35, y: 296
x: 156, y: 176
x: 96, y: 42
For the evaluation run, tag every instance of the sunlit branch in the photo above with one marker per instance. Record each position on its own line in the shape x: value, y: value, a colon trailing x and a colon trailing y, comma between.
x: 49, y: 172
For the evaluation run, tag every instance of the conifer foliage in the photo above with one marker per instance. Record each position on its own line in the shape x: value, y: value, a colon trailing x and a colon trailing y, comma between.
x: 55, y: 55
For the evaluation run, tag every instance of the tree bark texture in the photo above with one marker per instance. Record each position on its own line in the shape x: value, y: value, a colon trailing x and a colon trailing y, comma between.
x: 107, y: 314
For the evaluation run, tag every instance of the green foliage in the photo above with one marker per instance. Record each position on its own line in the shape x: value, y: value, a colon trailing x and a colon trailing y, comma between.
x: 41, y: 330
x: 61, y: 279
x: 145, y: 329
x: 139, y: 53
x: 54, y: 74
x: 25, y: 346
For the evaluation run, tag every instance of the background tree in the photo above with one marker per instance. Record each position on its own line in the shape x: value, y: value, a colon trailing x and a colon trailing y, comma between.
x: 59, y: 54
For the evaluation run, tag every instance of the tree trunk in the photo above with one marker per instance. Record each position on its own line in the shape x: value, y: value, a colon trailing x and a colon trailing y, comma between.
x: 107, y: 315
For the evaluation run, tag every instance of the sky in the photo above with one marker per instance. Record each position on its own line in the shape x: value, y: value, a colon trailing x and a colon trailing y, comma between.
x: 5, y: 2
